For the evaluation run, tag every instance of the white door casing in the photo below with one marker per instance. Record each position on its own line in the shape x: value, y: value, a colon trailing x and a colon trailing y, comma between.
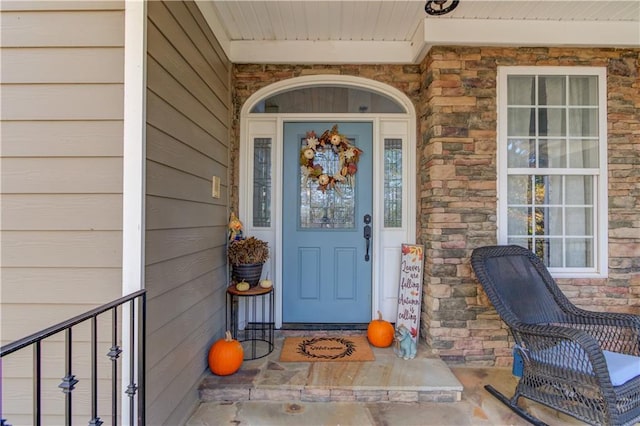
x: 386, y: 242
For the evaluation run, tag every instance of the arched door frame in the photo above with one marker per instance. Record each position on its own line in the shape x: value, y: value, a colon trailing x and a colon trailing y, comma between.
x: 386, y: 241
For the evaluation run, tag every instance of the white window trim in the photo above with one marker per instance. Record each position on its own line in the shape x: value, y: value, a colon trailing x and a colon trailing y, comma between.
x: 600, y: 269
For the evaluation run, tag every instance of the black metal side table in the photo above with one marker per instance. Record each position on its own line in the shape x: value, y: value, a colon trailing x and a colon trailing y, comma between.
x: 254, y: 307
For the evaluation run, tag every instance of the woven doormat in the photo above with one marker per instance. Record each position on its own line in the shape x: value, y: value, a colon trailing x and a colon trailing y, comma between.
x: 326, y: 349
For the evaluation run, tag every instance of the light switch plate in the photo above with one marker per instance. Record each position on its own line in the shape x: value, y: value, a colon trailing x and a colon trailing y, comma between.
x: 215, y: 187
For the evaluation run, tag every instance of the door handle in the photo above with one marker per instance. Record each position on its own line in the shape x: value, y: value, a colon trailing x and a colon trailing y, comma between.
x: 367, y: 236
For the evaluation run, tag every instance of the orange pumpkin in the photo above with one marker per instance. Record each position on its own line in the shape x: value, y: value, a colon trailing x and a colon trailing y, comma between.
x: 380, y: 332
x: 225, y: 356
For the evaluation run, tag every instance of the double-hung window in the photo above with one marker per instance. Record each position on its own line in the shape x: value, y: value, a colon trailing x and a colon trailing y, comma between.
x: 552, y: 166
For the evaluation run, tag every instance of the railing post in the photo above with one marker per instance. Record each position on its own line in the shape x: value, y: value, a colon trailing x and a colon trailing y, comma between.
x: 69, y: 380
x: 132, y: 388
x: 114, y: 354
x: 142, y: 356
x: 95, y: 420
x: 37, y: 384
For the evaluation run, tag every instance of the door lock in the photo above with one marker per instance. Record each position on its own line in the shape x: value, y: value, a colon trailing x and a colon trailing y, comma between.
x: 367, y: 236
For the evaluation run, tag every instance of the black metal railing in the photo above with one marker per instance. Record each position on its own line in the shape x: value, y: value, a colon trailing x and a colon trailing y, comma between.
x: 133, y: 306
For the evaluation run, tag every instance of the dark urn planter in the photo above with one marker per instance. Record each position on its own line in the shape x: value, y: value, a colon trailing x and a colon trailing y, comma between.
x: 250, y: 273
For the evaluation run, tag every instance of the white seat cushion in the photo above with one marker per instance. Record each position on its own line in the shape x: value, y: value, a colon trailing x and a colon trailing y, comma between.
x: 622, y: 367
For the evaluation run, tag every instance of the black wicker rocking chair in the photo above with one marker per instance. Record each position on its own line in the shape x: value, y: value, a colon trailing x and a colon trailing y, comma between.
x: 582, y: 363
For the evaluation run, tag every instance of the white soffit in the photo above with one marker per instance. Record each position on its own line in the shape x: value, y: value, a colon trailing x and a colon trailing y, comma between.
x: 321, y: 52
x: 493, y: 32
x: 406, y: 36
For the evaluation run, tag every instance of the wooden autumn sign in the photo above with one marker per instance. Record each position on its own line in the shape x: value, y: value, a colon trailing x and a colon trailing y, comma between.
x: 410, y: 289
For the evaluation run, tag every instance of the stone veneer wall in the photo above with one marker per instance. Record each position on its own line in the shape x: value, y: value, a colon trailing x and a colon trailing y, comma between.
x: 458, y: 191
x: 454, y: 90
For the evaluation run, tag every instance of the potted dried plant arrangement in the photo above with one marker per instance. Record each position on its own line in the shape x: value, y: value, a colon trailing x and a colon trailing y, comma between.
x: 247, y: 256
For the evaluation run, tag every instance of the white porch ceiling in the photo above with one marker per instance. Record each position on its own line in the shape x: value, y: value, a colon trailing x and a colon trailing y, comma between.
x: 399, y: 31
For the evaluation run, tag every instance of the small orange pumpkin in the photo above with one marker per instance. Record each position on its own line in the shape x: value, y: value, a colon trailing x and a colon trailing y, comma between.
x: 225, y: 356
x: 380, y: 332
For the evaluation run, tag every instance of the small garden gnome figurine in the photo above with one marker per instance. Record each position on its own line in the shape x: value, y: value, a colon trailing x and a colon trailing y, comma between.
x: 235, y: 228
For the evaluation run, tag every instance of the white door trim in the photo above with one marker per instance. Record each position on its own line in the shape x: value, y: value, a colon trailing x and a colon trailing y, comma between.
x: 386, y: 242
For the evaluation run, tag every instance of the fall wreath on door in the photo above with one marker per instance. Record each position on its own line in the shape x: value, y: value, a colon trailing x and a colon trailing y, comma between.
x: 330, y: 140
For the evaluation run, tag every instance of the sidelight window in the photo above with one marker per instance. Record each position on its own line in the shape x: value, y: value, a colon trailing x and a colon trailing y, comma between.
x: 262, y: 182
x: 393, y: 183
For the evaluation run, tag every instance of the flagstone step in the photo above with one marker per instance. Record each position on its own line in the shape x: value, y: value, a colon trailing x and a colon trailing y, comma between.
x: 389, y: 378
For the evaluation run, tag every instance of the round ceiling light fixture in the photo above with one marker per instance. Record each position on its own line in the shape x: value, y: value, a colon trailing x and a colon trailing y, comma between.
x: 440, y: 7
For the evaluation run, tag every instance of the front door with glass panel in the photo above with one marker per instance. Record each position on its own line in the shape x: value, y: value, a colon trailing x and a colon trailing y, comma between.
x: 326, y: 257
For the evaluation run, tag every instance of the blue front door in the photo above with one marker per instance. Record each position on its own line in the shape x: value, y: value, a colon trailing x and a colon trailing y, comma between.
x: 326, y: 271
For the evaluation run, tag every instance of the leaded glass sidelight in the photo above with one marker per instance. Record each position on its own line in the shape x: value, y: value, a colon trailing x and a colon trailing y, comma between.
x: 332, y: 209
x: 262, y: 182
x: 393, y: 183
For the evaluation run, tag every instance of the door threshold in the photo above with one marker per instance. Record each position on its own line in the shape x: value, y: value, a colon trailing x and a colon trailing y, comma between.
x: 323, y: 326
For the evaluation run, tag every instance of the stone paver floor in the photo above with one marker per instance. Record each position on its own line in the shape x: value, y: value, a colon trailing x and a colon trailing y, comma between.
x: 269, y: 392
x: 477, y: 407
